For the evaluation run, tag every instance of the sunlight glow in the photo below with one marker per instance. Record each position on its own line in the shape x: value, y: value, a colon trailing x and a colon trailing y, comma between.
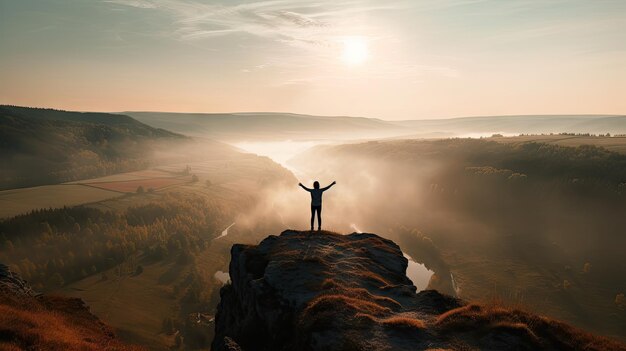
x: 355, y: 50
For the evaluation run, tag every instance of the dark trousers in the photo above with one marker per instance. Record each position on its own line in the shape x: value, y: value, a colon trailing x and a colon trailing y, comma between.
x: 317, y: 209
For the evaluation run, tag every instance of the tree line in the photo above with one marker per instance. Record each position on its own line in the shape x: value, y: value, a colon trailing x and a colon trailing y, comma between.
x: 54, y: 247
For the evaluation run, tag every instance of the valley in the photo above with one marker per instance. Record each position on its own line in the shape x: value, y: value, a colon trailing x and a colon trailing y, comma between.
x: 312, y: 175
x: 154, y: 242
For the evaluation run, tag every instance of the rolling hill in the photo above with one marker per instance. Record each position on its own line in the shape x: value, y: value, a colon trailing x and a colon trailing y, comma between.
x: 44, y: 146
x: 523, y: 124
x: 267, y: 125
x: 289, y: 126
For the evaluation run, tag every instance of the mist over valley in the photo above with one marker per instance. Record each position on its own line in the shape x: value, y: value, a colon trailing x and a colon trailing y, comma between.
x: 526, y: 220
x: 312, y: 175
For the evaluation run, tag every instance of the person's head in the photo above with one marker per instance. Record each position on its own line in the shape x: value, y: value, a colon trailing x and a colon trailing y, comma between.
x: 316, y: 184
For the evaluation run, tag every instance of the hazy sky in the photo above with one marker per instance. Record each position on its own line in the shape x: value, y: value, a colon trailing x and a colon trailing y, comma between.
x: 389, y: 59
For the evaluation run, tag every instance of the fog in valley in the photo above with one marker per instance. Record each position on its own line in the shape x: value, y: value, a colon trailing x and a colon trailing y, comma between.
x: 536, y: 225
x: 533, y: 220
x: 160, y: 161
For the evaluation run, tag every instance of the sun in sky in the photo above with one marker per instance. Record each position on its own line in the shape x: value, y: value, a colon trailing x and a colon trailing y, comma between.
x: 355, y: 50
x: 418, y: 58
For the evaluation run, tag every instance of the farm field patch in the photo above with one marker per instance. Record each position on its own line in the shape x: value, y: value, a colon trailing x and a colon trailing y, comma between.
x: 18, y: 201
x: 150, y: 173
x: 132, y: 185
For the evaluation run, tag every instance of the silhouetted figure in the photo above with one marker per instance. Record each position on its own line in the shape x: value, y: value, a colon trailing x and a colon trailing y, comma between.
x: 316, y: 202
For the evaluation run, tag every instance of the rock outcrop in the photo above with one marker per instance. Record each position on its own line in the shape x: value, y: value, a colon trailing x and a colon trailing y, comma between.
x: 30, y: 321
x: 13, y: 283
x: 325, y: 291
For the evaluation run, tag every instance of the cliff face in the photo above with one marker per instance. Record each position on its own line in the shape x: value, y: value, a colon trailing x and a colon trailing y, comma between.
x: 325, y: 291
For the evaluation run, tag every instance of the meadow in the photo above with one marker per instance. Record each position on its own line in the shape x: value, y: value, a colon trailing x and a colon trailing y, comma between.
x: 131, y: 186
x: 19, y: 201
x: 90, y: 191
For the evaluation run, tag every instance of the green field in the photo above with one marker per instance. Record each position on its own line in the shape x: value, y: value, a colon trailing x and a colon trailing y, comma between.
x: 225, y: 176
x: 147, y: 174
x: 136, y: 305
x: 18, y: 201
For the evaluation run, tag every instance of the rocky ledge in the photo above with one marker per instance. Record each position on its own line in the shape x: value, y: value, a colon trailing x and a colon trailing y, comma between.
x: 31, y: 321
x: 326, y: 291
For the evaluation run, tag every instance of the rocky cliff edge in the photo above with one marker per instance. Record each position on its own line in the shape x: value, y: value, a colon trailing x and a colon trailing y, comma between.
x: 326, y: 291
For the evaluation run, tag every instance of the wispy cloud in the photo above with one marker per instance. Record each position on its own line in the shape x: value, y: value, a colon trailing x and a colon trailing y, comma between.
x: 142, y: 4
x: 311, y: 30
x: 297, y: 23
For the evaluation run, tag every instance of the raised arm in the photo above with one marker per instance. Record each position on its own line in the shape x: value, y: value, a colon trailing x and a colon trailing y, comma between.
x: 305, y: 188
x: 328, y: 187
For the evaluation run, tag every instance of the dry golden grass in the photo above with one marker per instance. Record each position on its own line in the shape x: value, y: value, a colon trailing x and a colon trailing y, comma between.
x: 338, y: 302
x: 377, y: 243
x: 355, y: 308
x: 53, y: 323
x: 372, y: 277
x: 337, y: 310
x: 404, y: 322
x: 334, y: 287
x: 394, y: 322
x: 288, y: 253
x: 535, y: 330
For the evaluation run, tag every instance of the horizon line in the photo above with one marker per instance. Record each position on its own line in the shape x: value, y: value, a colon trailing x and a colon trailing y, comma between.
x: 328, y: 116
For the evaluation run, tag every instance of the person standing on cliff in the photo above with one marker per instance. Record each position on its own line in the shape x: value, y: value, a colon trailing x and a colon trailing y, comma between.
x: 316, y: 202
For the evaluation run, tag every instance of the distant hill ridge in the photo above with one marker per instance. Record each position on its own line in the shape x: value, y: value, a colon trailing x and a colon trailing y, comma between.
x: 103, y: 118
x: 524, y: 124
x: 45, y: 146
x: 265, y: 125
x: 290, y: 126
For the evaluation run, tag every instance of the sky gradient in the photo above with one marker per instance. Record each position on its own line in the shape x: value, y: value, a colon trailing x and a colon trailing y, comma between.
x: 387, y: 59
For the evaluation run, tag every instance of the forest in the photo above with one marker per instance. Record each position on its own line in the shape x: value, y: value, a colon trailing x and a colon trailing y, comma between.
x: 54, y: 247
